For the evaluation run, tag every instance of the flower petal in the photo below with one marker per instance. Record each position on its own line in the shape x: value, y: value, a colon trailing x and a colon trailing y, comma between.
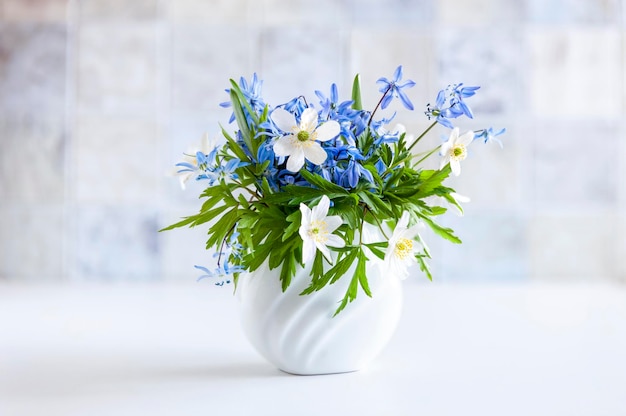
x: 405, y: 100
x: 444, y: 161
x: 335, y: 241
x: 466, y: 139
x: 397, y: 75
x: 308, y: 120
x: 403, y: 222
x: 283, y: 119
x: 454, y: 135
x: 320, y: 211
x: 328, y: 130
x: 306, y: 216
x: 284, y: 146
x: 333, y: 222
x: 315, y: 153
x: 321, y: 247
x: 455, y: 165
x: 296, y: 160
x: 308, y: 250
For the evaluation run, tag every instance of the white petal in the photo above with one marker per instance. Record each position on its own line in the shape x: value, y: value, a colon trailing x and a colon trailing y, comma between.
x: 306, y: 216
x: 414, y: 230
x: 308, y: 250
x: 321, y: 247
x: 466, y: 139
x: 455, y: 165
x: 404, y: 221
x: 320, y: 211
x: 308, y: 120
x: 454, y: 135
x: 444, y: 161
x: 335, y: 241
x: 284, y: 146
x: 333, y: 222
x: 283, y: 119
x: 315, y: 153
x: 296, y: 160
x: 328, y: 130
x: 205, y: 144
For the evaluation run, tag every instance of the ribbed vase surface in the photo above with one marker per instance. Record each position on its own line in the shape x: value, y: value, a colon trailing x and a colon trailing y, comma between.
x: 299, y: 335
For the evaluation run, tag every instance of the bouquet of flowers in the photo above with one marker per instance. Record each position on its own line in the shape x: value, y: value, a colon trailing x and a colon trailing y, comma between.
x: 300, y: 184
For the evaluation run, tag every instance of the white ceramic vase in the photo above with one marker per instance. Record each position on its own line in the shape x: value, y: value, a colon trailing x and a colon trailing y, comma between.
x: 299, y: 335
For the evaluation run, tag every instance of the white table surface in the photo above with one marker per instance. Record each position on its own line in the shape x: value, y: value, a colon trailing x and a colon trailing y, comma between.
x: 178, y: 350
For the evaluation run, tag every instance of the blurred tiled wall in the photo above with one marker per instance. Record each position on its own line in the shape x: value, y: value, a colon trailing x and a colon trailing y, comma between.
x: 98, y: 98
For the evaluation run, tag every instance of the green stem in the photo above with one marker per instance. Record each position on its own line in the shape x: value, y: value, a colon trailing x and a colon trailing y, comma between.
x: 428, y: 154
x: 253, y: 193
x: 421, y: 135
x: 380, y: 227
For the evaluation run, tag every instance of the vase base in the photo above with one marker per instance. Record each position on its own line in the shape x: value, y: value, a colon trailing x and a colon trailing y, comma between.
x: 321, y: 373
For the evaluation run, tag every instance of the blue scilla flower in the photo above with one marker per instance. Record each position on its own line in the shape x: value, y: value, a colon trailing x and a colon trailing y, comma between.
x: 390, y: 136
x: 327, y: 170
x: 296, y: 106
x: 459, y: 93
x: 344, y: 151
x: 220, y: 274
x: 450, y: 104
x: 331, y: 108
x: 392, y: 88
x: 353, y: 173
x: 380, y: 167
x: 198, y: 163
x: 488, y: 135
x: 252, y: 92
x: 328, y: 104
x: 266, y: 154
x: 223, y: 172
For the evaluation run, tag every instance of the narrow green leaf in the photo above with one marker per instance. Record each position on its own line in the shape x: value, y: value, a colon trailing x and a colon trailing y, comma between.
x: 360, y: 272
x: 350, y: 294
x: 356, y: 93
x: 444, y: 232
x: 241, y: 118
x: 424, y: 267
x: 323, y: 184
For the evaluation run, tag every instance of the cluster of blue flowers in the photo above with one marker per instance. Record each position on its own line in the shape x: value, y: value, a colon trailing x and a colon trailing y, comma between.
x: 345, y: 164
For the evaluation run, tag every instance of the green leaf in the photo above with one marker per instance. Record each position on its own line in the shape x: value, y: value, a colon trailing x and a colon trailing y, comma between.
x: 232, y: 145
x: 360, y: 272
x: 240, y: 118
x: 185, y: 221
x: 350, y: 294
x: 356, y: 93
x: 375, y: 204
x: 444, y: 232
x: 294, y: 219
x: 321, y: 183
x: 424, y: 266
x: 376, y: 251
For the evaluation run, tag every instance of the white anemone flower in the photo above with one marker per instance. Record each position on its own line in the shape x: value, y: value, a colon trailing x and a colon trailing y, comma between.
x: 402, y: 247
x: 455, y: 150
x: 189, y: 157
x: 302, y: 143
x: 316, y: 230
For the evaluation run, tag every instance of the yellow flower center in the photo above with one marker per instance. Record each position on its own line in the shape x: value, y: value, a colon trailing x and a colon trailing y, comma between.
x: 404, y: 248
x: 459, y: 152
x: 318, y: 231
x: 303, y: 135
